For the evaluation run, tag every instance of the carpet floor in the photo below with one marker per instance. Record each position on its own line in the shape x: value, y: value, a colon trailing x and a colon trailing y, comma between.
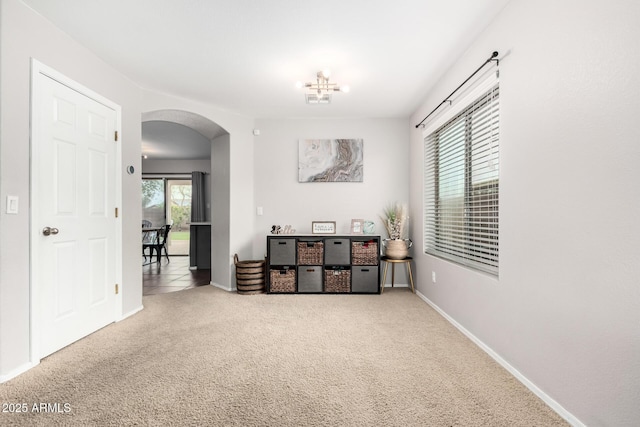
x: 204, y: 356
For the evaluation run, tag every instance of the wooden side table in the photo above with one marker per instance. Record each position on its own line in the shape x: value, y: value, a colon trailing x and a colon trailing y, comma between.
x: 393, y: 262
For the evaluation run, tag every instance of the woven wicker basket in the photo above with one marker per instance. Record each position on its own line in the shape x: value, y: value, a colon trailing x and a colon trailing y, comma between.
x: 310, y: 253
x: 282, y: 280
x: 364, y: 253
x: 337, y: 280
x: 249, y: 276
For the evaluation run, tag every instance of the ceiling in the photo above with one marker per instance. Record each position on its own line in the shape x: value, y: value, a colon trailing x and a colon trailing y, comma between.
x: 177, y: 135
x: 246, y: 55
x: 170, y: 140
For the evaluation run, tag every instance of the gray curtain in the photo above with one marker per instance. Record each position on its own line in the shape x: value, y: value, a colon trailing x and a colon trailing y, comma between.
x: 198, y: 205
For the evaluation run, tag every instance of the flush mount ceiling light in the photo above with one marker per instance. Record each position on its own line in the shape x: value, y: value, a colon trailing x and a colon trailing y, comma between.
x: 320, y: 92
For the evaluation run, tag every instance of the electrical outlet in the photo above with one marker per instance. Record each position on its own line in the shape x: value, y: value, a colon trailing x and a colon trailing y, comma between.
x: 433, y: 276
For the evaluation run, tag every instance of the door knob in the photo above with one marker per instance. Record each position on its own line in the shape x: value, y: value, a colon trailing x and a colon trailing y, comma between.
x: 49, y: 230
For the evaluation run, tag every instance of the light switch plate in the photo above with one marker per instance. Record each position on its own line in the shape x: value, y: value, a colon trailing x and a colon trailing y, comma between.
x: 12, y: 205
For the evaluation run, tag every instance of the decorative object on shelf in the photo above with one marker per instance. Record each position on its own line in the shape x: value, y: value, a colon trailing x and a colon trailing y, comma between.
x: 276, y: 229
x: 395, y: 220
x: 369, y: 227
x: 320, y: 92
x: 357, y: 226
x: 330, y: 160
x: 323, y: 227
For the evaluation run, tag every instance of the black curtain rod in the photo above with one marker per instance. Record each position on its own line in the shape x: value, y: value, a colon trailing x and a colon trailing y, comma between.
x: 491, y: 58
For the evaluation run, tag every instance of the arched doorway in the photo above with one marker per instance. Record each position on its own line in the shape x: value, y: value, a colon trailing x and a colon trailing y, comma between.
x: 217, y: 140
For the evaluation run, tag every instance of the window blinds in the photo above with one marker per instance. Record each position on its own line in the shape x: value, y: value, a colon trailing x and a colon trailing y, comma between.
x: 461, y: 186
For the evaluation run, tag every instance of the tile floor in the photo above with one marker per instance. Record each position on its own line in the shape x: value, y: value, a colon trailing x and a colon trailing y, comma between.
x: 162, y: 277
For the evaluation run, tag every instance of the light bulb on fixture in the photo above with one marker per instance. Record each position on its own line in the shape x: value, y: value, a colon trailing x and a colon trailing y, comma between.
x: 320, y: 91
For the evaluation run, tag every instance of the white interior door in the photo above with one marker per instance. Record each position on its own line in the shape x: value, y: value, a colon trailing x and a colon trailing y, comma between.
x: 74, y: 225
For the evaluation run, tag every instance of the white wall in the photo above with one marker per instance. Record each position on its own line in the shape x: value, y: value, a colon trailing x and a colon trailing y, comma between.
x: 285, y: 201
x: 236, y: 222
x: 221, y: 213
x: 25, y: 35
x: 565, y: 311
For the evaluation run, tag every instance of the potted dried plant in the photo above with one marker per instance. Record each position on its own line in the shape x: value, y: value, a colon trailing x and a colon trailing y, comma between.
x: 396, y: 220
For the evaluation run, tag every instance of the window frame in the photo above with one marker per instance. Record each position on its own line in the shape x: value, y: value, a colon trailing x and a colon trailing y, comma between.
x: 473, y: 241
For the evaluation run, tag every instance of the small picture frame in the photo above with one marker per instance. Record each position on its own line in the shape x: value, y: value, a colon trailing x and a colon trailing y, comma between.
x: 323, y: 227
x: 357, y: 226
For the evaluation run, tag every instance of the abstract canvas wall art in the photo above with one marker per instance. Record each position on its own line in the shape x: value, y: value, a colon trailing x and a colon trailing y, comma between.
x: 330, y: 160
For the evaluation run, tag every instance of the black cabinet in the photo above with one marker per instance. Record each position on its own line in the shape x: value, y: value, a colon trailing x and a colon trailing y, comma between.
x: 200, y: 246
x: 323, y: 264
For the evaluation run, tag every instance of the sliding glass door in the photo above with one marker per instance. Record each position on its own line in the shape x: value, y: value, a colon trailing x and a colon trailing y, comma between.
x: 153, y: 201
x: 179, y: 214
x: 167, y: 200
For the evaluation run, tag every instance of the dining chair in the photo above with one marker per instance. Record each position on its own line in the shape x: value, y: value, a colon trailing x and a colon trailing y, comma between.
x: 158, y: 244
x: 147, y: 237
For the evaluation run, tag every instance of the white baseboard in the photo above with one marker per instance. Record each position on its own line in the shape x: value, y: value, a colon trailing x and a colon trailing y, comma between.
x: 225, y: 288
x: 19, y: 370
x: 568, y: 416
x: 131, y: 313
x: 396, y: 285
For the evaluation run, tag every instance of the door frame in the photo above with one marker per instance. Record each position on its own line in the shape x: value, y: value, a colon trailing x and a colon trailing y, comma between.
x: 38, y: 71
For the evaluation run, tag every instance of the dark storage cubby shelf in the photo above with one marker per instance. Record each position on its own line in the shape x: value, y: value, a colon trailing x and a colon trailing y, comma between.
x: 323, y: 264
